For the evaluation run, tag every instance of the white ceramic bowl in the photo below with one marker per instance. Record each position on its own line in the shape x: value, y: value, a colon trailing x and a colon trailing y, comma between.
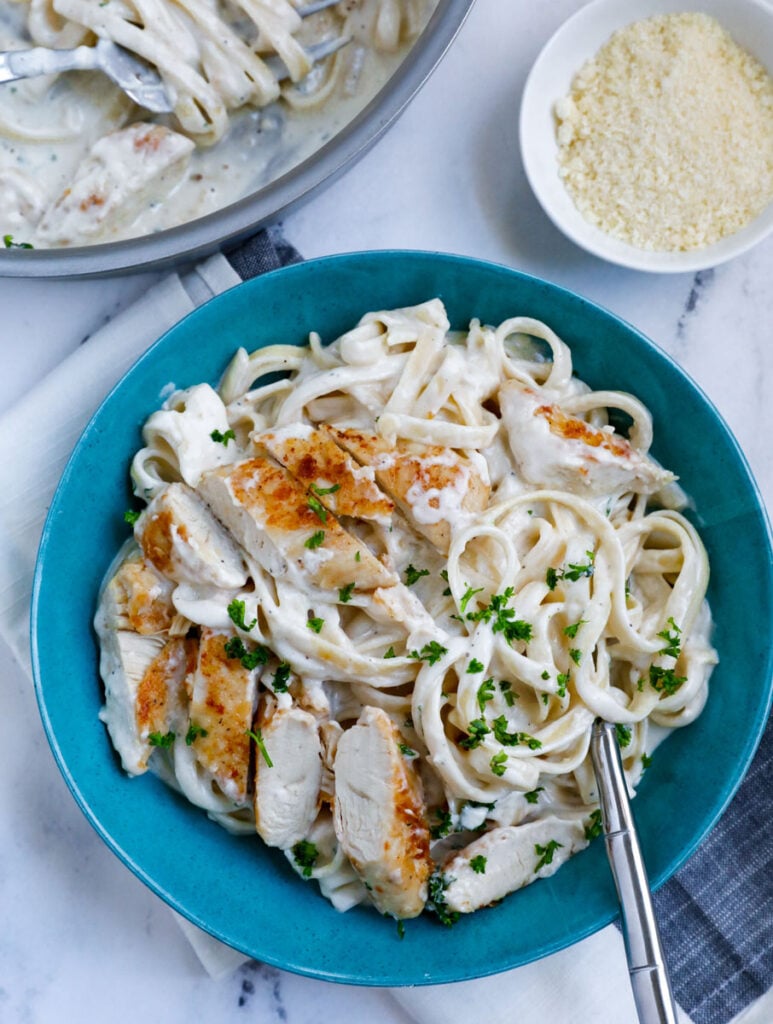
x: 749, y: 22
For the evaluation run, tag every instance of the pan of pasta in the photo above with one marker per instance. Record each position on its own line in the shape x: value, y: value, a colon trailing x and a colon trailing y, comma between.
x: 357, y: 582
x: 91, y: 182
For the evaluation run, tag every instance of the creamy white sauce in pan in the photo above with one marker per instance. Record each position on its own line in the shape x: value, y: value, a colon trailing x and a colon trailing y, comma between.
x: 57, y: 190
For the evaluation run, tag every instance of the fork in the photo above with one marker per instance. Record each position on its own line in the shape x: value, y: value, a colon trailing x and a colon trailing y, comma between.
x: 139, y: 80
x: 646, y: 962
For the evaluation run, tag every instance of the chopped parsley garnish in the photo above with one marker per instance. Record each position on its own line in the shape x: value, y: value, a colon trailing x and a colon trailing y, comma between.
x: 131, y: 516
x: 545, y: 853
x: 485, y: 691
x: 281, y: 678
x: 318, y: 509
x: 234, y: 648
x: 390, y: 653
x: 573, y: 571
x: 315, y: 540
x: 467, y: 596
x: 444, y: 577
x: 546, y: 699
x: 236, y: 615
x: 545, y: 675
x: 413, y: 574
x: 478, y: 865
x: 401, y: 929
x: 431, y: 652
x: 357, y: 556
x: 475, y: 666
x: 436, y: 902
x: 9, y: 243
x: 315, y: 624
x: 443, y: 827
x: 193, y: 733
x: 305, y: 855
x: 502, y: 618
x: 672, y: 638
x: 406, y: 751
x: 164, y: 740
x: 623, y: 733
x: 571, y: 631
x: 498, y: 763
x: 575, y: 655
x: 562, y: 679
x: 595, y: 826
x: 532, y: 797
x: 646, y: 761
x: 665, y: 681
x: 576, y: 572
x: 257, y: 736
x: 321, y: 491
x: 223, y: 439
x: 476, y: 730
x: 507, y: 693
x: 513, y: 739
x: 345, y: 593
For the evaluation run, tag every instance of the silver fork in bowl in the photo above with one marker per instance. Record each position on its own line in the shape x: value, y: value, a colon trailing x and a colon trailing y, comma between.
x: 646, y: 961
x: 138, y: 79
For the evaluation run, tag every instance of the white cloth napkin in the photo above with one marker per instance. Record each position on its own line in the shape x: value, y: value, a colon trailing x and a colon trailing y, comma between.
x: 588, y: 982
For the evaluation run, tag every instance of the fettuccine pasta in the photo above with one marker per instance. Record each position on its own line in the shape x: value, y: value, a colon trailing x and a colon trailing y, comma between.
x: 378, y: 594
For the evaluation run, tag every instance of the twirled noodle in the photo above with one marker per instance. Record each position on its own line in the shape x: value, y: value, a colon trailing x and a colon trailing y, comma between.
x: 413, y: 569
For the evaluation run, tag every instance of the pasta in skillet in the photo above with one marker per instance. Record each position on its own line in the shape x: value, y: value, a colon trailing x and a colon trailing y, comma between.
x: 81, y: 163
x: 373, y: 606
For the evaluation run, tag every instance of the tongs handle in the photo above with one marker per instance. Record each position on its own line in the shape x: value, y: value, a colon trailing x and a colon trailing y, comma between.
x: 646, y: 962
x: 41, y: 61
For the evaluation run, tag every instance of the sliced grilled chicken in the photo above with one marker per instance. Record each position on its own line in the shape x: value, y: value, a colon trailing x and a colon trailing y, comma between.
x: 315, y: 460
x: 137, y: 598
x: 435, y: 487
x: 270, y: 515
x: 507, y: 859
x: 184, y: 541
x: 222, y: 706
x: 379, y: 815
x: 124, y: 172
x: 554, y: 449
x: 287, y: 794
x: 144, y: 692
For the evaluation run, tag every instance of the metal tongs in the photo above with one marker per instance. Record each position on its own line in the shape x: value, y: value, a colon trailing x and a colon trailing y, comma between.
x: 646, y: 962
x: 139, y: 80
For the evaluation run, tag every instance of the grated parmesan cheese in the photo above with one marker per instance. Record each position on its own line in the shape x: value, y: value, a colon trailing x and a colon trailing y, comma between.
x: 666, y: 138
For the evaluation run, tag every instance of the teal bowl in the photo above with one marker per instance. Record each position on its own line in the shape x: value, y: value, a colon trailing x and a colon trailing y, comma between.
x: 246, y: 894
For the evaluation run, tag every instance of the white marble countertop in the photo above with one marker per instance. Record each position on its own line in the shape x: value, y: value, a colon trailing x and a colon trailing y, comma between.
x: 82, y: 939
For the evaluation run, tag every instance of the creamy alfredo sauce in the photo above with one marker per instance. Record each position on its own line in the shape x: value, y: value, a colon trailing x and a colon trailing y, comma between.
x: 49, y: 124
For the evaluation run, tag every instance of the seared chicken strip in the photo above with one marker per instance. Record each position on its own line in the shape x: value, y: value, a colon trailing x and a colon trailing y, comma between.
x: 184, y: 541
x: 512, y: 857
x: 137, y: 598
x: 222, y: 705
x: 379, y: 815
x: 124, y: 172
x: 555, y: 449
x: 315, y: 460
x: 287, y: 794
x: 144, y: 692
x: 271, y: 516
x: 436, y: 488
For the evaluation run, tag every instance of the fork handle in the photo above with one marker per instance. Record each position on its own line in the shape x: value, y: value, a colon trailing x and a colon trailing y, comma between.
x: 41, y: 61
x: 646, y: 962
